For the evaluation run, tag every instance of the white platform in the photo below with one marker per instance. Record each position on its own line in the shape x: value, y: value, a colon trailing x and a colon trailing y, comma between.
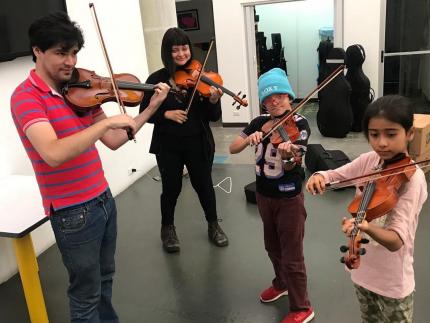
x: 21, y: 209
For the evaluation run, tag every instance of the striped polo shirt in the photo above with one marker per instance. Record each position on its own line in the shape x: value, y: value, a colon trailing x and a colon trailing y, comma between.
x: 75, y: 181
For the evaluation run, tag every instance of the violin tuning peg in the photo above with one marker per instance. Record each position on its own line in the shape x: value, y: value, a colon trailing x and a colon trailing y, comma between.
x: 233, y: 103
x: 240, y: 92
x: 243, y: 96
x: 238, y: 107
x: 343, y: 248
x: 342, y: 260
x: 362, y: 251
x: 364, y: 241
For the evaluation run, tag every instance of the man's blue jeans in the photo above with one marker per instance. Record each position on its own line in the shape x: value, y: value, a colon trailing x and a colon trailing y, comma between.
x: 86, y: 237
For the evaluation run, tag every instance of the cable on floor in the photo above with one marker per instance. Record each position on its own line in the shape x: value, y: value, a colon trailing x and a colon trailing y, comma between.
x: 230, y: 181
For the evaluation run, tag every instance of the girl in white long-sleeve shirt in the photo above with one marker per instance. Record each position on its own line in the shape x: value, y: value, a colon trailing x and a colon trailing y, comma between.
x: 384, y: 281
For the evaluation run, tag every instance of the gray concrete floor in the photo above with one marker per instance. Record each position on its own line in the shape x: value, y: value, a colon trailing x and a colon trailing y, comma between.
x: 204, y: 283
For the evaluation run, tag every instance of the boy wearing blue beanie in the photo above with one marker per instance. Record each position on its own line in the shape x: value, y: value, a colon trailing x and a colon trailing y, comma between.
x: 279, y: 195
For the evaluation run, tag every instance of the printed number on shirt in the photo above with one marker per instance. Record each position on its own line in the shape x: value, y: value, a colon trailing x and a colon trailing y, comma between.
x: 273, y: 166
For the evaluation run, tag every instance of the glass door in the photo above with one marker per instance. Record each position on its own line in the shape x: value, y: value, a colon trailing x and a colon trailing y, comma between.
x: 406, y: 57
x: 286, y: 34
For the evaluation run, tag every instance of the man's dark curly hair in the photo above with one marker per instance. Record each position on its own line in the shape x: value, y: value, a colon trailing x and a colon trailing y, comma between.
x: 55, y: 29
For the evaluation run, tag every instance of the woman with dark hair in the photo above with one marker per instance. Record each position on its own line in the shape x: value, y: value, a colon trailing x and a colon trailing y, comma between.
x: 180, y: 138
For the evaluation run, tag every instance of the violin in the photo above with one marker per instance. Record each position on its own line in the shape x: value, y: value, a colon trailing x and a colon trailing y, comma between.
x: 386, y: 195
x: 378, y: 197
x: 86, y: 90
x: 287, y: 132
x: 187, y: 78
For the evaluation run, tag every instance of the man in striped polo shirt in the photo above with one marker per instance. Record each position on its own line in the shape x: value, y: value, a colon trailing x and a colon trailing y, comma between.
x: 61, y: 146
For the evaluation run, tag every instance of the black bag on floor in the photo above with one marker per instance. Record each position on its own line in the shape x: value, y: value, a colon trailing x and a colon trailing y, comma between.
x: 250, y: 190
x: 317, y: 158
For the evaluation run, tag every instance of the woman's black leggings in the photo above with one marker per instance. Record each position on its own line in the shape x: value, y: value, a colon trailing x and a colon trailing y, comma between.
x: 188, y: 151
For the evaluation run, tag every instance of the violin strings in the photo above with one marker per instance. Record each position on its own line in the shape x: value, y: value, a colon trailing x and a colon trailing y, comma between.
x: 364, y: 203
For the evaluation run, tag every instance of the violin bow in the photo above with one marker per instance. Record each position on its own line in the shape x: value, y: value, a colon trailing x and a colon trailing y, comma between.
x: 323, y: 84
x: 200, y: 76
x: 375, y: 175
x: 109, y: 66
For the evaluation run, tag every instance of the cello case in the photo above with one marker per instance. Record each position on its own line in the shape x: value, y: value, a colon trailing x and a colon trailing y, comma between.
x: 361, y: 92
x: 334, y: 116
x: 324, y: 48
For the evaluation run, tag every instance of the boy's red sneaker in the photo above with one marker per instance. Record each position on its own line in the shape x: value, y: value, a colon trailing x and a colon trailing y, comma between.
x: 299, y: 317
x: 271, y: 294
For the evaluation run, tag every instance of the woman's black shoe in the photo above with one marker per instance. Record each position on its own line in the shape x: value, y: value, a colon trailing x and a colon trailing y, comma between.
x: 216, y: 235
x: 169, y: 238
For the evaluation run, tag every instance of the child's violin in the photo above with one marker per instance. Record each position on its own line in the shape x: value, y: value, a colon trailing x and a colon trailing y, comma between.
x: 187, y: 78
x: 287, y: 132
x: 378, y: 197
x: 385, y: 197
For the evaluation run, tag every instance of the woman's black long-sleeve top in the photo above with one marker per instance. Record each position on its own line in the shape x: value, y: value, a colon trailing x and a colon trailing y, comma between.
x: 200, y: 114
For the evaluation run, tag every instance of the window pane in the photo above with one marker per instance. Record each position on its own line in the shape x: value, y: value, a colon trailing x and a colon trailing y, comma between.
x: 407, y: 26
x: 409, y: 76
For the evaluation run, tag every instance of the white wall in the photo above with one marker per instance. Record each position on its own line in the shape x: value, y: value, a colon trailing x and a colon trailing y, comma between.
x: 157, y: 17
x: 367, y: 32
x: 231, y: 54
x: 230, y: 34
x: 122, y: 30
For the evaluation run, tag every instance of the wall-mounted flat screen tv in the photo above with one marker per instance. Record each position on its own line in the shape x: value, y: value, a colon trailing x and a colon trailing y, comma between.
x: 15, y: 18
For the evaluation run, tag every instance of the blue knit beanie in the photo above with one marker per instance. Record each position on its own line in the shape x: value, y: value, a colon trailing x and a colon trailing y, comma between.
x: 274, y: 81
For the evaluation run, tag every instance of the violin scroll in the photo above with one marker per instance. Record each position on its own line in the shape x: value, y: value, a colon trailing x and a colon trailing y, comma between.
x: 187, y: 78
x: 354, y: 249
x: 241, y: 101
